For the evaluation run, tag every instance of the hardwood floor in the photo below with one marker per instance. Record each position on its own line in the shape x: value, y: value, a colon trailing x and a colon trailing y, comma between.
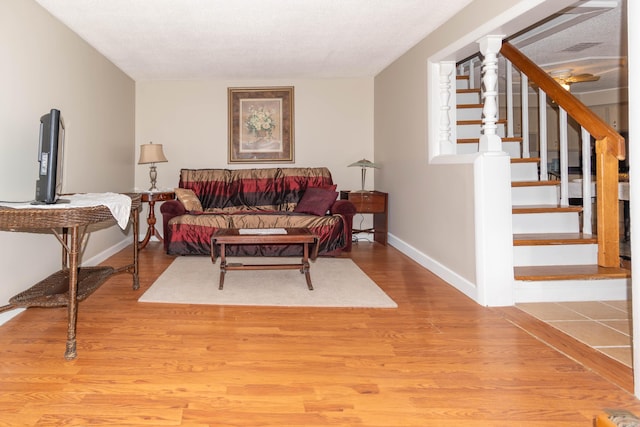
x: 439, y: 359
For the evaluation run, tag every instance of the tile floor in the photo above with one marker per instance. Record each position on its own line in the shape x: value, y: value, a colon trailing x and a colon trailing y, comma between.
x: 603, y: 325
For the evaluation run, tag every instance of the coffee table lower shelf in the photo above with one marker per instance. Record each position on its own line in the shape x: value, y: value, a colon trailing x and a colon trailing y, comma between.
x: 302, y: 236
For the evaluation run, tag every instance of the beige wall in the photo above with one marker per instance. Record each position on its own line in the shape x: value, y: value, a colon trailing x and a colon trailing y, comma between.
x: 431, y: 205
x: 44, y: 66
x: 333, y: 126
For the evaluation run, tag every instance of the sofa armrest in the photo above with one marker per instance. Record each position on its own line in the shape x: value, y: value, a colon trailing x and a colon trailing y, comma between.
x: 347, y: 209
x: 170, y: 209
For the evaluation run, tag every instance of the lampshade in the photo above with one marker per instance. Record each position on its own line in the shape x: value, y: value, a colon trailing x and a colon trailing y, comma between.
x: 151, y: 153
x: 364, y: 164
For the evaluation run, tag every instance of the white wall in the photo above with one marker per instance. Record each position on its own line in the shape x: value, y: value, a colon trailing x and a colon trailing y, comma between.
x: 44, y: 66
x: 333, y: 127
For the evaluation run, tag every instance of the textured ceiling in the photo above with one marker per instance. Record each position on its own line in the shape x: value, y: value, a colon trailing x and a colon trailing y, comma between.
x: 242, y: 39
x: 591, y: 38
x: 280, y: 39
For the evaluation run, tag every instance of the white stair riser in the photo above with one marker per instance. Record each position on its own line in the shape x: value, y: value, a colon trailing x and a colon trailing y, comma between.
x: 462, y: 83
x: 469, y: 113
x: 556, y: 222
x: 555, y: 255
x: 511, y: 148
x: 571, y: 290
x: 474, y: 131
x: 524, y: 172
x: 468, y: 98
x: 539, y: 195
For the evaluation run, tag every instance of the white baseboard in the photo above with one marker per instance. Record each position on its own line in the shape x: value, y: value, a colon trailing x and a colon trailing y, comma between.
x: 451, y: 277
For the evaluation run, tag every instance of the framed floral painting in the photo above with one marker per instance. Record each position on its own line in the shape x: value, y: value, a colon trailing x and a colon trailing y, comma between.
x: 261, y: 125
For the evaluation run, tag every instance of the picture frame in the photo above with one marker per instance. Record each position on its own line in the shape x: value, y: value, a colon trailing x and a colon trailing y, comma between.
x: 261, y: 125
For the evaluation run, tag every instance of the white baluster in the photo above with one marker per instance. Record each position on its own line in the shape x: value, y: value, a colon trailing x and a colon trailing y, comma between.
x: 524, y: 102
x: 564, y: 158
x: 489, y: 47
x: 446, y: 106
x: 586, y: 182
x: 509, y: 102
x: 542, y: 134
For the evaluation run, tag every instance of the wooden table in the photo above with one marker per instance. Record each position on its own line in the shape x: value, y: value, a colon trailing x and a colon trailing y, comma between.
x: 232, y: 236
x: 371, y: 202
x: 72, y: 283
x: 152, y: 198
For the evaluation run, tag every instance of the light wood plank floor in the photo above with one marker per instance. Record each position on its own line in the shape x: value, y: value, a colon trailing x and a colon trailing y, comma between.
x: 439, y: 359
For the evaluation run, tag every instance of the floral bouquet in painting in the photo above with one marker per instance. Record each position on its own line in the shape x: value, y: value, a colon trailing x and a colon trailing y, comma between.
x: 260, y: 122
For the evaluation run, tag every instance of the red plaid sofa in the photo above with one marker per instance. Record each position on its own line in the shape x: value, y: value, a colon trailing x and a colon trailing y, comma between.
x: 210, y: 199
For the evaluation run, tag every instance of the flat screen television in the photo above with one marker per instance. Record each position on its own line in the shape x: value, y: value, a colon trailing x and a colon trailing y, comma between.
x: 50, y: 158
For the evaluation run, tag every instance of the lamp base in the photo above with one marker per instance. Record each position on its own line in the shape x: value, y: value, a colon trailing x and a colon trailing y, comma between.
x: 153, y: 175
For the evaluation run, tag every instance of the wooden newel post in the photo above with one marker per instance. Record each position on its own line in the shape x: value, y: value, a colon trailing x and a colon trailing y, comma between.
x: 607, y: 206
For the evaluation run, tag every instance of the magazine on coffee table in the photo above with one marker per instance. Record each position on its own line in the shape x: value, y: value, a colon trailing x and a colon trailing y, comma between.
x: 262, y: 231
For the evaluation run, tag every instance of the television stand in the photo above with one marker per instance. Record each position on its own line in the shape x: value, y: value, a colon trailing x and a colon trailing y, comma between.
x: 71, y: 283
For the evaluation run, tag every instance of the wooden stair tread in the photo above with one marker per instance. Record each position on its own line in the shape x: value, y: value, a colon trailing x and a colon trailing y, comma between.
x: 535, y: 239
x: 462, y: 77
x: 468, y: 90
x: 534, y: 183
x: 477, y: 140
x: 569, y: 272
x: 470, y: 106
x: 526, y: 209
x: 477, y: 122
x: 525, y: 159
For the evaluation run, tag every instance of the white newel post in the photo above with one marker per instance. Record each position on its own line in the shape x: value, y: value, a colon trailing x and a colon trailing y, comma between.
x: 492, y: 189
x: 489, y: 47
x: 446, y: 107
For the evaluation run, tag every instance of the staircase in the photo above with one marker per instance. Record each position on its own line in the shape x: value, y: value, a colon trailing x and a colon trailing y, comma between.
x: 553, y: 259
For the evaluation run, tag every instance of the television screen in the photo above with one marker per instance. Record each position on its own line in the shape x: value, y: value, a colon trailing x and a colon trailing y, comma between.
x: 50, y: 158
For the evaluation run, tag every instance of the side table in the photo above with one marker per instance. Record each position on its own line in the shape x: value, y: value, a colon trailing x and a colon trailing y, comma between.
x: 152, y: 198
x: 371, y: 202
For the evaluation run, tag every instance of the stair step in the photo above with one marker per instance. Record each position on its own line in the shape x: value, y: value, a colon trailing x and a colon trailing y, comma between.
x: 529, y: 209
x: 476, y: 90
x: 535, y: 239
x: 477, y: 140
x: 534, y: 183
x: 525, y: 159
x: 478, y: 122
x: 464, y: 106
x: 569, y: 272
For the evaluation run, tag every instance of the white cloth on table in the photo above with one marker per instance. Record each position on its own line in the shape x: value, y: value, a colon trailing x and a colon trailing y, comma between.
x: 118, y: 204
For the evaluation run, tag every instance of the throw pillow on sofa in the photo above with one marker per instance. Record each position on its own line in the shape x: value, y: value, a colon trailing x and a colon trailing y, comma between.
x: 189, y: 199
x: 316, y: 201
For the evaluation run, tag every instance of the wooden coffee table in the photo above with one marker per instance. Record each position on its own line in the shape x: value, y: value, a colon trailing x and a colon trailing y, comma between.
x: 284, y: 236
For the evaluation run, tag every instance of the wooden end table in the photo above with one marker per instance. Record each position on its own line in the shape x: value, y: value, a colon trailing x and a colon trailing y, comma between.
x: 152, y: 198
x: 371, y: 202
x: 233, y: 236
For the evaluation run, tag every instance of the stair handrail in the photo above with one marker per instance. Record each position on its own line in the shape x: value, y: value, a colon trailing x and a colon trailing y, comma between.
x: 610, y: 147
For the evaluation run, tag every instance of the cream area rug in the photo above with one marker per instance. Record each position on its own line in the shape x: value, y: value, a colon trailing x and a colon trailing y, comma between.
x: 337, y: 282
